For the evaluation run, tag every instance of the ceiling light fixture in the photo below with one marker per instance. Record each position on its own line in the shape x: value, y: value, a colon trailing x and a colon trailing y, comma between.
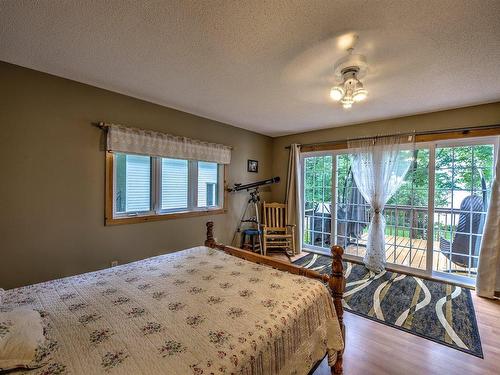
x: 349, y: 69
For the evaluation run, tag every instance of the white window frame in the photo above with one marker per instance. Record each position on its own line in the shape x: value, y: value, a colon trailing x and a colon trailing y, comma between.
x: 153, y: 189
x: 431, y: 146
x: 156, y: 213
x: 303, y: 156
x: 494, y: 140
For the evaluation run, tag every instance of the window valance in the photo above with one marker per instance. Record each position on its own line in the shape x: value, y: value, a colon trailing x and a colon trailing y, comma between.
x: 149, y: 142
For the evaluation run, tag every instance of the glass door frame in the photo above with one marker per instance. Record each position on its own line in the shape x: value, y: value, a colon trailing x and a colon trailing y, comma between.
x: 428, y: 272
x: 304, y: 155
x: 488, y: 140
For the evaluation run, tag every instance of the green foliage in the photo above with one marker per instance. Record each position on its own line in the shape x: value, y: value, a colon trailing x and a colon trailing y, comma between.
x: 414, y: 190
x: 318, y: 180
x: 462, y: 168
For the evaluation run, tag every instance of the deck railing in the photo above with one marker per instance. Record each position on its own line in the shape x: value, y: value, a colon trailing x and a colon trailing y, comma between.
x: 401, y: 220
x: 406, y: 229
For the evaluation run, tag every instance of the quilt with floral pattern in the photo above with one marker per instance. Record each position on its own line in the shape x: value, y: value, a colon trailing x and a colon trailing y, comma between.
x: 197, y: 311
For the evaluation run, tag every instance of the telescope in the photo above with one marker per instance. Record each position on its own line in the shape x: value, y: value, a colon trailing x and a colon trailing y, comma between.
x: 253, y: 185
x: 253, y: 203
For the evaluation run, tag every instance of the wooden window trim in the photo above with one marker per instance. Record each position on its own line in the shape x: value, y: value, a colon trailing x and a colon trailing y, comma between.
x: 109, y: 202
x: 452, y: 134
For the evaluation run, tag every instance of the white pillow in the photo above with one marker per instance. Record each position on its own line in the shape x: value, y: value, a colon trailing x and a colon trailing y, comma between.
x: 22, y: 342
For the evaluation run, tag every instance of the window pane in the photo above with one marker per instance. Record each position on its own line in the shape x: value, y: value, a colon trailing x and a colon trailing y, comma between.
x: 463, y: 180
x: 174, y: 184
x: 317, y: 200
x: 133, y: 183
x: 208, y: 192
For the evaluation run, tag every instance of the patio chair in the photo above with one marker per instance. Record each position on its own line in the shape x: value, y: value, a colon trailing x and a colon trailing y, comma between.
x: 462, y: 239
x: 352, y: 215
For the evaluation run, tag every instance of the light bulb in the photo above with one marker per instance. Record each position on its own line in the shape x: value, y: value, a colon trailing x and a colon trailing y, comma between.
x: 359, y: 95
x: 336, y: 93
x: 347, y: 105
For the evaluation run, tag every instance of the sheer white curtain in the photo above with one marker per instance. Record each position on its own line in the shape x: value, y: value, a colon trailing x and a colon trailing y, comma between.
x: 379, y: 167
x: 293, y: 195
x: 488, y: 273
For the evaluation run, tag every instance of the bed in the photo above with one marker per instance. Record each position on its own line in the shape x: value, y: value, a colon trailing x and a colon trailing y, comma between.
x: 211, y: 309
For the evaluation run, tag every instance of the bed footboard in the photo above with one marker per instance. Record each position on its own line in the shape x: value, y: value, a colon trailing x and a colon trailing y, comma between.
x: 335, y: 281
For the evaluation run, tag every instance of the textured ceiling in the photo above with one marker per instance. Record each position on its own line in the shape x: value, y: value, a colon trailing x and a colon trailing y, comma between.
x: 264, y: 65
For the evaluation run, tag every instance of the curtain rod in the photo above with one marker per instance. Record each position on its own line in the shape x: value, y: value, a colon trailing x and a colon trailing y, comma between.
x: 101, y: 125
x: 413, y: 133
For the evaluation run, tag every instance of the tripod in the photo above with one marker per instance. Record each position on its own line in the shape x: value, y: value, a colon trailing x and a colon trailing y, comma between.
x: 253, y: 202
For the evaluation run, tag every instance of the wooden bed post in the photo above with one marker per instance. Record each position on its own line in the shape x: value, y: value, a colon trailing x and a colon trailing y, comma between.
x: 210, y: 242
x: 337, y: 286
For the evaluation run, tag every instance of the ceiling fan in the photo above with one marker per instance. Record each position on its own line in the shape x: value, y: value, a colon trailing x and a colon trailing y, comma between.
x: 349, y: 70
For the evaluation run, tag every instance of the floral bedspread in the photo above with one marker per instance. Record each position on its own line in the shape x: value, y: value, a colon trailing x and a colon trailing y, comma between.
x: 197, y: 311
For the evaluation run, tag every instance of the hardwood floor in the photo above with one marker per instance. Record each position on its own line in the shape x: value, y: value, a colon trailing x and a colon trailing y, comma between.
x: 373, y: 348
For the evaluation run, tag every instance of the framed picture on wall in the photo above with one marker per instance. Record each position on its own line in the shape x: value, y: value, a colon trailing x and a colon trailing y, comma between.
x: 253, y: 166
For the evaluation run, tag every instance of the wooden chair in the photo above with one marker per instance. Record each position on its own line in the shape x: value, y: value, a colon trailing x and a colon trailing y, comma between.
x: 276, y: 232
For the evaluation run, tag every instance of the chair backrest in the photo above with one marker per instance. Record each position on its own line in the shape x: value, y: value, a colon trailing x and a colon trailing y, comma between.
x: 274, y: 216
x: 462, y: 241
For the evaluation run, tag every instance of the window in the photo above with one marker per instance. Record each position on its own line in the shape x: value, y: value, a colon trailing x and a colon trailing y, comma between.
x: 133, y: 183
x: 211, y: 194
x: 463, y: 180
x: 434, y: 222
x: 152, y: 188
x: 174, y: 184
x: 317, y: 200
x: 208, y: 177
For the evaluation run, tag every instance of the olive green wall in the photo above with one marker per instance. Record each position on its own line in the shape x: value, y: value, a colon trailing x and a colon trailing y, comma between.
x: 487, y: 114
x: 52, y: 178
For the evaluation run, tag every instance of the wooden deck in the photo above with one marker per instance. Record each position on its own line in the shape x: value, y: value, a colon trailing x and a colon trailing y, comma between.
x: 397, y: 250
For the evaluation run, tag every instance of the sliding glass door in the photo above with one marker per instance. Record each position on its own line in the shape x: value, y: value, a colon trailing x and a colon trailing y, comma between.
x: 463, y: 179
x: 434, y: 222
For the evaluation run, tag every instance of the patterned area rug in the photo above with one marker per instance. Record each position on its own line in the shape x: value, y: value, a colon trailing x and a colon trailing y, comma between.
x: 437, y: 311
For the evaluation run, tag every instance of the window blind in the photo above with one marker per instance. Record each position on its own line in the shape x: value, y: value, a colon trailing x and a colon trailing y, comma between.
x: 137, y: 183
x: 174, y: 184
